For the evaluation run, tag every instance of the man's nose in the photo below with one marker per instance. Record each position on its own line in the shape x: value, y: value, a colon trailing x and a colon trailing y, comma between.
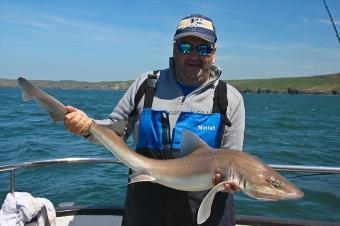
x: 194, y: 54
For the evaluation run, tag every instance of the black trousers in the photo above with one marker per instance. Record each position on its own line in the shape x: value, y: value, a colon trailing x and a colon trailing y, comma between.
x: 149, y: 204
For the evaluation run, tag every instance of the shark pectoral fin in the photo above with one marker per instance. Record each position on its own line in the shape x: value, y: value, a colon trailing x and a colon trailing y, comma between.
x: 205, y: 207
x: 141, y: 178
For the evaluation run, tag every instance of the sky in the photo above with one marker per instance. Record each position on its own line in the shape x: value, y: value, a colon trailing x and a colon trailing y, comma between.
x: 119, y: 40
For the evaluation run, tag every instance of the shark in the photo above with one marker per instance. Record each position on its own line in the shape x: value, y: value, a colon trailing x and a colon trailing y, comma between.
x: 193, y: 171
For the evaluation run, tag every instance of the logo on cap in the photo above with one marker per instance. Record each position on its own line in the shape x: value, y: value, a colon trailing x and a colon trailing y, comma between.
x: 196, y: 25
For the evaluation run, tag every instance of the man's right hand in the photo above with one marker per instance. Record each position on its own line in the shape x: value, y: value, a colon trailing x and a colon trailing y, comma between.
x: 228, y: 187
x: 77, y: 122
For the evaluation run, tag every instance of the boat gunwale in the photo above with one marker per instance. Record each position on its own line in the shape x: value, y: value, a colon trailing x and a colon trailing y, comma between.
x: 81, y: 160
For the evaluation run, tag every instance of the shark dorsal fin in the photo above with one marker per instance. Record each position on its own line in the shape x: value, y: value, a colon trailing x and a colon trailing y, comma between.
x: 190, y: 142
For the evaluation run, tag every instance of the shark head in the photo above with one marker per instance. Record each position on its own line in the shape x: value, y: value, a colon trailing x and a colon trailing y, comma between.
x: 243, y: 170
x: 269, y: 185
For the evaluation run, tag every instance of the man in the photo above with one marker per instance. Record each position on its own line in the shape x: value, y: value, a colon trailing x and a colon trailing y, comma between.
x: 158, y: 106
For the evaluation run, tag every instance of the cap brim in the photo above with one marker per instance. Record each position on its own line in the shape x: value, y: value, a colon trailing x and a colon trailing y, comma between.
x: 208, y: 38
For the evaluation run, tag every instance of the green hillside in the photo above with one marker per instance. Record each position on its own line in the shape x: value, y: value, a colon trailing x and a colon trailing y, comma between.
x: 313, y: 84
x: 320, y: 84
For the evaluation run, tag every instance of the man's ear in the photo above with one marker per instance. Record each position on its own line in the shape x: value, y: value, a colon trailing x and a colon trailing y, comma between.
x: 213, y: 54
x: 213, y: 57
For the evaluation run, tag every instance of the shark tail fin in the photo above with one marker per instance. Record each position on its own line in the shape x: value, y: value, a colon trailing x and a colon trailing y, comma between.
x: 54, y: 107
x: 25, y: 95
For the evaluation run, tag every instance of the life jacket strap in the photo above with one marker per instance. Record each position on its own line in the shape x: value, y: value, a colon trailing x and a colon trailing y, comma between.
x: 147, y: 88
x: 151, y: 82
x: 220, y: 104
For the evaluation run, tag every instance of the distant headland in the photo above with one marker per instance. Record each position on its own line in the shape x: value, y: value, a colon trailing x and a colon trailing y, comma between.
x: 317, y: 84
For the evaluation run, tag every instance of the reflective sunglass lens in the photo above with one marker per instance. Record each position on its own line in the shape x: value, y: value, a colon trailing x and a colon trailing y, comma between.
x: 204, y: 50
x: 184, y: 48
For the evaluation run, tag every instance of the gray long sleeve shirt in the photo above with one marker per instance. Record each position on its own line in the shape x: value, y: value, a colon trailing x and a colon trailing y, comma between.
x: 169, y: 97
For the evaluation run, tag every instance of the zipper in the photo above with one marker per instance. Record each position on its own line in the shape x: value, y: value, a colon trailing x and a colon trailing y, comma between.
x: 197, y: 91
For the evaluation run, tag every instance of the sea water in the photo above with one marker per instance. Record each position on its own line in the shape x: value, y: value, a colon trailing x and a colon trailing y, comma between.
x: 280, y: 129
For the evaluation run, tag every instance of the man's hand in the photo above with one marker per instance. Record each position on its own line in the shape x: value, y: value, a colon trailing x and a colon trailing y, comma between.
x: 77, y: 122
x: 228, y: 187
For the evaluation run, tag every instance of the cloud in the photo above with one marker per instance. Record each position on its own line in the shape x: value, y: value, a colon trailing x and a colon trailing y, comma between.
x: 70, y: 29
x: 323, y: 21
x: 54, y: 26
x: 298, y: 49
x: 248, y: 45
x: 307, y: 66
x: 261, y: 60
x: 336, y: 22
x: 304, y: 19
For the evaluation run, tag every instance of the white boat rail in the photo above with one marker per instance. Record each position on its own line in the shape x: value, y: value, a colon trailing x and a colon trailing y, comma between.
x: 81, y: 160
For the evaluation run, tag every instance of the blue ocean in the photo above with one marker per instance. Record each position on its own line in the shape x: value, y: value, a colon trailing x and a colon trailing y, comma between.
x: 280, y: 129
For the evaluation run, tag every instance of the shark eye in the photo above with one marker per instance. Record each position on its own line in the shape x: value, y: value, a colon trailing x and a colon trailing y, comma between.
x: 275, y: 183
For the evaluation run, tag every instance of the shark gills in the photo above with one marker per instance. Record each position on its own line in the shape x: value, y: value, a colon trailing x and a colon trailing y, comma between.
x: 194, y: 171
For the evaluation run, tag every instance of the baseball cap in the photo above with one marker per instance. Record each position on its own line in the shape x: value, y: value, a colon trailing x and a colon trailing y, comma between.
x: 196, y: 25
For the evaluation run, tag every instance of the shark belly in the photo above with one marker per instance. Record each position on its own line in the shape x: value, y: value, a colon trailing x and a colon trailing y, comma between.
x: 190, y: 183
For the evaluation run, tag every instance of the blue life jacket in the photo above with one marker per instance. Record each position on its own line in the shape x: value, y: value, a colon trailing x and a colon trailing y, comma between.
x: 154, y: 129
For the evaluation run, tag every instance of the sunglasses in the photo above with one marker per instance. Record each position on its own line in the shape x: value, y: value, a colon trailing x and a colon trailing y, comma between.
x: 202, y: 50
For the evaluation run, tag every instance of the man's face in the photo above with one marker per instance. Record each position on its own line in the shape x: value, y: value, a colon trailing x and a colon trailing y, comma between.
x: 192, y: 69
